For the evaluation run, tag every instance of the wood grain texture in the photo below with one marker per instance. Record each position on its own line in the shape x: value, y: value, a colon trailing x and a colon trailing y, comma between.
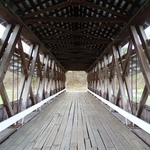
x: 74, y: 121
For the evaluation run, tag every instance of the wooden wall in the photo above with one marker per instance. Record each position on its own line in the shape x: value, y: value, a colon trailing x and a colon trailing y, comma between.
x: 116, y: 76
x: 40, y: 75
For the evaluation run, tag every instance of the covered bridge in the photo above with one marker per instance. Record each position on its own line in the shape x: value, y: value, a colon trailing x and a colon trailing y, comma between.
x: 43, y: 39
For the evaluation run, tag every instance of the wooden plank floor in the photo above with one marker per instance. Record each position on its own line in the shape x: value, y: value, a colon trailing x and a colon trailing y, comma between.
x: 74, y: 121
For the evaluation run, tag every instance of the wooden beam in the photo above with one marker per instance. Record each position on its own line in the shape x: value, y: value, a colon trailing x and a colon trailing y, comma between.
x: 5, y: 100
x: 39, y: 67
x: 125, y: 76
x: 51, y: 76
x: 120, y: 81
x: 26, y: 32
x: 66, y: 32
x: 22, y: 56
x: 127, y: 59
x: 32, y: 97
x: 100, y: 78
x: 95, y: 6
x: 143, y: 14
x: 23, y: 79
x: 142, y: 101
x: 107, y: 78
x: 144, y: 65
x: 5, y: 38
x: 9, y: 50
x: 100, y: 40
x: 41, y: 90
x: 74, y: 19
x: 48, y: 9
x: 29, y: 79
x: 144, y: 41
x: 76, y: 56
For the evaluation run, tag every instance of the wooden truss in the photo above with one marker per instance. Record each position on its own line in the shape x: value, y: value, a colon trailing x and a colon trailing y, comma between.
x: 49, y: 75
x: 111, y: 78
x: 75, y: 35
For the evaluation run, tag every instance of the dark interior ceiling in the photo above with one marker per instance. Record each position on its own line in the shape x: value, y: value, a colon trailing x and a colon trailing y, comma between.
x: 76, y: 32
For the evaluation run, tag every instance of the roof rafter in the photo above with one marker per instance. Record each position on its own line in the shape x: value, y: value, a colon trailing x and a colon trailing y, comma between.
x: 74, y: 19
x: 103, y: 40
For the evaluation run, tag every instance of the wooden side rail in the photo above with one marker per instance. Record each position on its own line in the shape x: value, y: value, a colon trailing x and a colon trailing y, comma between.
x: 140, y: 123
x: 6, y: 123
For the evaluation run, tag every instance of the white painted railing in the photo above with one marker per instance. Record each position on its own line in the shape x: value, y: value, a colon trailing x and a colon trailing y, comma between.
x: 139, y: 122
x: 6, y: 123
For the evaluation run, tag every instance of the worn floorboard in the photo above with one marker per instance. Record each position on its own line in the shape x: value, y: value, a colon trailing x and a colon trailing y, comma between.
x: 74, y: 121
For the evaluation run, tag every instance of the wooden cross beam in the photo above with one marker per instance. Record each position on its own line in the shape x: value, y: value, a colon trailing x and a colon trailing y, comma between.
x: 74, y: 19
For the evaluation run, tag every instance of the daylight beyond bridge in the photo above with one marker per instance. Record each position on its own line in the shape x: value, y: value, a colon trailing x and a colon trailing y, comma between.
x: 43, y: 40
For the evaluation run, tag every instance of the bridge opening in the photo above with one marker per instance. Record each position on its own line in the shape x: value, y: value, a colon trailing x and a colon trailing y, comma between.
x: 76, y: 80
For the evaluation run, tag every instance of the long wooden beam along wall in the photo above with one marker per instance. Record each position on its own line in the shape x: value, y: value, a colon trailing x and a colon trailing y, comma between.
x: 40, y: 76
x: 115, y: 78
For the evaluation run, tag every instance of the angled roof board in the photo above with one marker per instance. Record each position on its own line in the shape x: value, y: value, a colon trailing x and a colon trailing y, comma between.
x: 76, y: 32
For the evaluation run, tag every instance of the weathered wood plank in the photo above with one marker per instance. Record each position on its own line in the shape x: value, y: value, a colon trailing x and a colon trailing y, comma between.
x: 80, y: 128
x: 74, y: 137
x: 74, y: 121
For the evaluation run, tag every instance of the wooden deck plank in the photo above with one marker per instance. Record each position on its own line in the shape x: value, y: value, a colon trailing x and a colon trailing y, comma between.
x: 43, y: 130
x: 91, y: 135
x: 80, y: 128
x: 99, y: 127
x: 115, y: 128
x: 74, y: 138
x: 68, y: 131
x: 32, y: 130
x: 27, y: 130
x: 60, y: 134
x: 88, y: 144
x: 74, y: 121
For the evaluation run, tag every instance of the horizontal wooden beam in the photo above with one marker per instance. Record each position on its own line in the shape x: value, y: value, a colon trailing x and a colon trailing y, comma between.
x: 76, y: 56
x: 74, y: 19
x: 103, y: 25
x: 103, y: 40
